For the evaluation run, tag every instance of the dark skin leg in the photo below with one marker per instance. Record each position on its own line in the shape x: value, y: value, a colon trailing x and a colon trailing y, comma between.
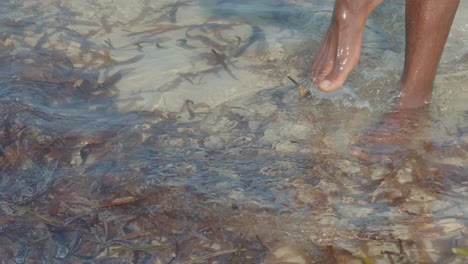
x: 428, y: 24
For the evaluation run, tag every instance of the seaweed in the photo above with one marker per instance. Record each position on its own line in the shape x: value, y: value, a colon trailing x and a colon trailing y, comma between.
x: 256, y: 36
x: 220, y: 58
x: 254, y: 180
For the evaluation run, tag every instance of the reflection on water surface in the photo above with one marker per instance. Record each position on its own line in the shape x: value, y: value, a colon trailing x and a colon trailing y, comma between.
x: 168, y: 132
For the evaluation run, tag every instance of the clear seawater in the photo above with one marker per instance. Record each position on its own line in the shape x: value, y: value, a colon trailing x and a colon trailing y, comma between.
x: 168, y: 132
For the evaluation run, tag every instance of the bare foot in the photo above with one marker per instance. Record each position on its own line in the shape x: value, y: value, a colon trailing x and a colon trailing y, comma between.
x: 393, y: 135
x: 341, y: 46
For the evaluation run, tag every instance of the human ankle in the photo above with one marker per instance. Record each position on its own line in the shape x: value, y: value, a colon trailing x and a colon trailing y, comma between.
x: 407, y: 102
x: 352, y: 11
x: 415, y: 92
x: 358, y: 7
x: 411, y: 99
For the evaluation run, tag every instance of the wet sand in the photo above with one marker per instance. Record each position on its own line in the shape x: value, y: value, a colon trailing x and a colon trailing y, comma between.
x: 168, y: 132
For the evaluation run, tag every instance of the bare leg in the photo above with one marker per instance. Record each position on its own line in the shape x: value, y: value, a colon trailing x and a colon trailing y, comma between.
x: 341, y: 46
x: 428, y: 24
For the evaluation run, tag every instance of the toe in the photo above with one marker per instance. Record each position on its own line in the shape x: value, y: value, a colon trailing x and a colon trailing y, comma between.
x: 324, y: 60
x: 320, y: 63
x: 331, y: 84
x: 335, y: 79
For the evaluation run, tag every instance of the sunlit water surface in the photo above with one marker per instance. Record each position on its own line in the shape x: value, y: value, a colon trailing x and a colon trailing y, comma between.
x: 168, y: 132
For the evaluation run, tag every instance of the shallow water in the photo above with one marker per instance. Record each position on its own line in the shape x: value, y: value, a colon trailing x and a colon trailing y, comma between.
x: 168, y: 132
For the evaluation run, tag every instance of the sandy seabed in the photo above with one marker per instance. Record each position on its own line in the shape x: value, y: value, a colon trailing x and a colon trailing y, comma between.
x: 168, y: 132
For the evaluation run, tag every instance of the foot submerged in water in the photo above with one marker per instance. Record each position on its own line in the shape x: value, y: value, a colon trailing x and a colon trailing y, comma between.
x: 393, y: 135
